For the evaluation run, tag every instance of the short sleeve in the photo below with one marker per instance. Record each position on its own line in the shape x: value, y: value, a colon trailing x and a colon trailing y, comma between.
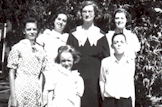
x: 13, y: 58
x: 80, y: 86
x: 42, y: 37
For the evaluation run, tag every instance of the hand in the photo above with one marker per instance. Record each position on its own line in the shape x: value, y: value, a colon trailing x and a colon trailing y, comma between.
x: 13, y: 102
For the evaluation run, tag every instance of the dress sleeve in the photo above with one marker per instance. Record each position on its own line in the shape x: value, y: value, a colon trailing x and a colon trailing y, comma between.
x: 80, y: 87
x: 13, y: 58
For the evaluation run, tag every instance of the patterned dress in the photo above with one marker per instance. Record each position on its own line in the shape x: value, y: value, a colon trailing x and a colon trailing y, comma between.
x: 28, y: 61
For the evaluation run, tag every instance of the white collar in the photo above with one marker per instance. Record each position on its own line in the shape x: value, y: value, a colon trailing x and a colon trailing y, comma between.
x: 92, y: 34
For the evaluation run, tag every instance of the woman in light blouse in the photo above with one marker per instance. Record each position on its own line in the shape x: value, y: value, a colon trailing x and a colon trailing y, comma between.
x: 120, y: 19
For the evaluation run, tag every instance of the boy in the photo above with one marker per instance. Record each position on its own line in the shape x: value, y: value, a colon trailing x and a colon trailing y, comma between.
x: 117, y: 76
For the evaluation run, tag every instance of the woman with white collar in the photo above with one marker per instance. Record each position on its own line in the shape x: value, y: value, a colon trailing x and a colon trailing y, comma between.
x: 91, y: 42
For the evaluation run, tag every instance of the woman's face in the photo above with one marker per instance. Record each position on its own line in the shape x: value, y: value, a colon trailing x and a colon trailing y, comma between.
x: 88, y: 13
x: 120, y: 20
x: 31, y: 31
x: 119, y: 44
x: 66, y: 60
x: 60, y: 22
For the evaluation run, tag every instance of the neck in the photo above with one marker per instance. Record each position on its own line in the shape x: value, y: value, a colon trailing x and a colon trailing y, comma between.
x: 118, y: 56
x: 119, y: 30
x: 32, y: 42
x: 87, y: 25
x: 58, y: 31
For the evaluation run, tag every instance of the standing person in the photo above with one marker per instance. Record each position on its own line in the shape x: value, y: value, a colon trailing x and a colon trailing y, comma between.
x: 91, y: 42
x: 26, y: 60
x: 54, y: 37
x: 117, y: 75
x: 121, y: 19
x: 65, y: 86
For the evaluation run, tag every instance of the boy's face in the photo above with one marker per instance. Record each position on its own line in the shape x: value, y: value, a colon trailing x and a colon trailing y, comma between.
x: 119, y: 44
x: 66, y: 60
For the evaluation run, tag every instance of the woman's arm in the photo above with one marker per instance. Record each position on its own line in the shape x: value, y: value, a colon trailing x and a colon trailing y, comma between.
x: 12, y: 86
x: 49, y: 98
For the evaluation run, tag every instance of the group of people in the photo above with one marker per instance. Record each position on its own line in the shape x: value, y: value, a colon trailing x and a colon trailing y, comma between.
x: 85, y: 68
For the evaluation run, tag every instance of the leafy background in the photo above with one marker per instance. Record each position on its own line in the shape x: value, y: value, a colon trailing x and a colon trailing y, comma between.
x: 146, y: 23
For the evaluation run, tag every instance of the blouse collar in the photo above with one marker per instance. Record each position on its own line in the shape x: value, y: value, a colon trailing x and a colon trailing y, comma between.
x: 92, y: 34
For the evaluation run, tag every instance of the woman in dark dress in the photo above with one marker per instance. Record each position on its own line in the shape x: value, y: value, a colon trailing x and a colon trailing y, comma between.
x: 91, y: 42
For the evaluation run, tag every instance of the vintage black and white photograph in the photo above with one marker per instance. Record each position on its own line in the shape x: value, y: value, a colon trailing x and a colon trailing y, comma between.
x: 81, y: 53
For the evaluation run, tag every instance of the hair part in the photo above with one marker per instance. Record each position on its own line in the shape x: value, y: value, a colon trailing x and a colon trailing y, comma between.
x: 70, y: 49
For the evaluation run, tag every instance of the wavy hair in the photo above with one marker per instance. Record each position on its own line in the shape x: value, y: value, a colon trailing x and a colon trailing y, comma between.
x: 68, y: 48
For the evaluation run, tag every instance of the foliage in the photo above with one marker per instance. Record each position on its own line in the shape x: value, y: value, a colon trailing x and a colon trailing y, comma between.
x: 145, y: 23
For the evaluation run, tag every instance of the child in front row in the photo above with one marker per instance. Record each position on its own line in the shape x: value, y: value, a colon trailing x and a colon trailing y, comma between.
x: 65, y: 86
x: 117, y: 76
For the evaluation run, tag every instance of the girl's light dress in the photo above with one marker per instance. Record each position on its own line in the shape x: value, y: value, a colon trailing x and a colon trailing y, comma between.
x: 67, y: 86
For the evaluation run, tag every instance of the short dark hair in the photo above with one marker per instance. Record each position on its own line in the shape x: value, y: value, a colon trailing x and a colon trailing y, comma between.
x: 28, y: 20
x: 116, y: 34
x: 68, y: 48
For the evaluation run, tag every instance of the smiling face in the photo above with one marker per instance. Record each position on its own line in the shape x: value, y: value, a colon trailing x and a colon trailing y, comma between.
x: 88, y: 13
x: 119, y: 44
x: 60, y: 22
x: 120, y: 20
x: 66, y: 60
x: 31, y: 30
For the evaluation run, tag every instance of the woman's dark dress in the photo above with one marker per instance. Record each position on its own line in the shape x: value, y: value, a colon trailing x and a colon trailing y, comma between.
x: 89, y: 67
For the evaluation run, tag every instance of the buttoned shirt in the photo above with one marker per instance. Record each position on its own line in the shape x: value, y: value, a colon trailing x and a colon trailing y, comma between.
x: 117, y: 77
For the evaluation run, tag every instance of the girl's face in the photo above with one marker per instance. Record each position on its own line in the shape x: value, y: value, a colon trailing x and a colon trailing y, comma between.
x: 88, y: 13
x: 60, y: 22
x: 120, y: 20
x: 66, y: 60
x: 119, y: 44
x: 31, y: 31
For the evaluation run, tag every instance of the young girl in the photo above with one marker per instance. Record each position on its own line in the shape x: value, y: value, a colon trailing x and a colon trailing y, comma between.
x: 117, y: 75
x: 65, y: 86
x: 26, y: 60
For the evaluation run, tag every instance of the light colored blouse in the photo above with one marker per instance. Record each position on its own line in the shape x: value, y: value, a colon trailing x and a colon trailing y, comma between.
x: 52, y: 40
x: 132, y: 41
x: 92, y: 34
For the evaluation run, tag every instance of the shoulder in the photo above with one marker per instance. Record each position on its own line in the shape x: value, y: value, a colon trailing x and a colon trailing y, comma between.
x: 47, y: 31
x: 107, y: 60
x: 73, y: 30
x: 110, y: 33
